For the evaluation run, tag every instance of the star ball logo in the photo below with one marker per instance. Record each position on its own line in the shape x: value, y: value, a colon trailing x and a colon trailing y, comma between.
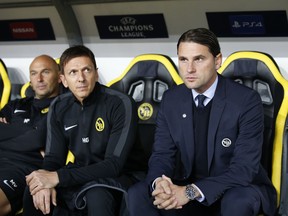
x: 130, y: 28
x: 99, y: 125
x: 137, y: 26
x: 145, y: 111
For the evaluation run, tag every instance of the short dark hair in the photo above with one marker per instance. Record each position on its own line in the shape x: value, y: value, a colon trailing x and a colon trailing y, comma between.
x: 76, y: 51
x: 201, y: 36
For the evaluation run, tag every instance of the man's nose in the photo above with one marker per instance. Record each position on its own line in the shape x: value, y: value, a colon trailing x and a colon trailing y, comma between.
x: 81, y: 76
x: 191, y: 67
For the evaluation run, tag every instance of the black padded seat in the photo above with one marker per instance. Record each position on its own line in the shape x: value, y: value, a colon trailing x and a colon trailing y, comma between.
x: 145, y: 79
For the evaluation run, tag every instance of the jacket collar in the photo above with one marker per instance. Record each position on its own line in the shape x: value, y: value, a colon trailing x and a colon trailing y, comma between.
x: 92, y: 98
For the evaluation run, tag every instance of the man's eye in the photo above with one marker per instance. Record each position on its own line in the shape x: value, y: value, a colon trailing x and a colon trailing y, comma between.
x: 72, y: 73
x: 87, y: 70
x: 199, y: 59
x: 182, y: 59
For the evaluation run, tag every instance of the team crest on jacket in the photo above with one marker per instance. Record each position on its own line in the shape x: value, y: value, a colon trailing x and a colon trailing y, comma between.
x: 226, y: 142
x: 145, y: 111
x: 45, y: 110
x: 99, y: 125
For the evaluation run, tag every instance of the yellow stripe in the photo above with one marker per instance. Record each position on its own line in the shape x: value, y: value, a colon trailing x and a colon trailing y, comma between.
x: 151, y: 57
x: 6, y: 86
x: 70, y: 157
x: 23, y: 89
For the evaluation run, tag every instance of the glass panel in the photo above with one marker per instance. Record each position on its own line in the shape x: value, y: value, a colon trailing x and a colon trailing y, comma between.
x: 136, y: 90
x: 264, y: 90
x: 159, y: 88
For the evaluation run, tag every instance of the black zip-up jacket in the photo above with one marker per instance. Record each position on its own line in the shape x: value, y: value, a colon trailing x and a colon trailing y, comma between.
x: 100, y: 133
x: 25, y: 135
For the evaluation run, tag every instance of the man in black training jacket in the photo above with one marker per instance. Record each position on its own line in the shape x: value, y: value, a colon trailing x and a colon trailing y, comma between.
x: 23, y: 133
x: 97, y: 125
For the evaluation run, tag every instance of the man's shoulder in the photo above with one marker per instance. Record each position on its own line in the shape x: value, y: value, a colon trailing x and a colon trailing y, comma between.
x: 239, y: 93
x: 237, y: 88
x: 62, y: 100
x: 111, y: 91
x: 176, y: 91
x: 20, y: 102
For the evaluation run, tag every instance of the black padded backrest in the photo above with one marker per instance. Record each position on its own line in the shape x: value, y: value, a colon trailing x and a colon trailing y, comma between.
x: 146, y: 78
x: 26, y: 90
x: 146, y: 82
x: 256, y: 73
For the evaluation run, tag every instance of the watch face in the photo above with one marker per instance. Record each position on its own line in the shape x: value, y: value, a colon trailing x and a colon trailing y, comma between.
x: 190, y: 192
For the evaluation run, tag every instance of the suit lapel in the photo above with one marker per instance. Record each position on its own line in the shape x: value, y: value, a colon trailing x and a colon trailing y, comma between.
x: 187, y: 129
x: 217, y: 109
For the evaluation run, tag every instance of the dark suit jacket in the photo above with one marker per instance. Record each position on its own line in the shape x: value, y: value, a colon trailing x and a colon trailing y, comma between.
x: 235, y: 137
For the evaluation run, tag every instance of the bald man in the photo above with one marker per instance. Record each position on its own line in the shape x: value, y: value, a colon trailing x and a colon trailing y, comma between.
x: 23, y: 133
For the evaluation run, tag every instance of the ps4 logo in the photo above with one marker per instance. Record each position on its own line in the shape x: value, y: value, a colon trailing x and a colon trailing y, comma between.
x: 246, y: 24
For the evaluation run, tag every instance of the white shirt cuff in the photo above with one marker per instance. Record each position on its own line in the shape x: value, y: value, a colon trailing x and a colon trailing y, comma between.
x: 154, y: 182
x: 202, y: 198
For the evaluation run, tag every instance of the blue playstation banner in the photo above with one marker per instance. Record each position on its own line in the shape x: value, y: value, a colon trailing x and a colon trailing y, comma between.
x: 248, y: 23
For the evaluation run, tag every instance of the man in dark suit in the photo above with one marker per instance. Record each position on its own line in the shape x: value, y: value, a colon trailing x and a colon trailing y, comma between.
x: 208, y: 143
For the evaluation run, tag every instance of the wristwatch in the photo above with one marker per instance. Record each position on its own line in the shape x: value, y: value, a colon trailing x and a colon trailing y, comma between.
x: 190, y: 192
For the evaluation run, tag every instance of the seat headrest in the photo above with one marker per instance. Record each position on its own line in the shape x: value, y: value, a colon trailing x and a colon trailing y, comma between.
x: 147, y: 69
x: 245, y: 67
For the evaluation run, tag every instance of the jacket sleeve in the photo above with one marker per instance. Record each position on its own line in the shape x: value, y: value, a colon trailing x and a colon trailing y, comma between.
x: 56, y: 148
x: 163, y: 158
x: 7, y: 110
x: 21, y: 138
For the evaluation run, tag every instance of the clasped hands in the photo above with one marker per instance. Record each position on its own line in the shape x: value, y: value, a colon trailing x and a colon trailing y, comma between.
x: 3, y: 120
x: 42, y: 184
x: 168, y: 195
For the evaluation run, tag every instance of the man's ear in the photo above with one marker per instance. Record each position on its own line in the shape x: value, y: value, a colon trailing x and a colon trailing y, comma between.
x: 59, y: 79
x: 97, y: 75
x: 64, y: 82
x: 218, y: 61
